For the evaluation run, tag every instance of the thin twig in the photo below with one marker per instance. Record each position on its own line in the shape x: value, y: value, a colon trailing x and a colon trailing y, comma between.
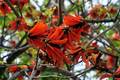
x: 109, y: 1
x: 22, y: 39
x: 16, y: 53
x: 18, y: 5
x: 60, y: 12
x: 34, y: 71
x: 17, y: 74
x: 71, y: 2
x: 58, y: 70
x: 85, y: 71
x: 87, y: 44
x: 2, y: 37
x: 100, y: 21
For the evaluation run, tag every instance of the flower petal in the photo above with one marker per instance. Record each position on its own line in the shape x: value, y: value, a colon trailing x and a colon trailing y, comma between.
x: 63, y: 41
x: 72, y: 20
x: 39, y: 29
x: 56, y: 34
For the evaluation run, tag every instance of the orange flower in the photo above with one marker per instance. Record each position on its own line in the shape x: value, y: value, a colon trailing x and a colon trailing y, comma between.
x: 49, y: 43
x: 24, y: 67
x: 73, y: 20
x: 37, y: 33
x: 36, y: 42
x: 72, y: 34
x: 56, y: 33
x: 57, y: 55
x: 56, y: 36
x: 58, y: 42
x: 39, y: 29
x: 78, y: 54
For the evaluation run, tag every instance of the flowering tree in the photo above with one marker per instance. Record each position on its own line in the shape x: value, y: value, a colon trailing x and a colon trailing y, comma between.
x: 47, y: 43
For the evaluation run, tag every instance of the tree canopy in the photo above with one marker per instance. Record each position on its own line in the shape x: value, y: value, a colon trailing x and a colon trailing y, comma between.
x: 59, y: 39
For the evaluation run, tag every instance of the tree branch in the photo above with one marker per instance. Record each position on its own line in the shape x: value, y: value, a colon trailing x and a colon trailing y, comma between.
x: 100, y: 21
x: 16, y: 53
x: 87, y: 44
x: 105, y: 20
x: 62, y: 71
x: 22, y: 39
x: 60, y: 12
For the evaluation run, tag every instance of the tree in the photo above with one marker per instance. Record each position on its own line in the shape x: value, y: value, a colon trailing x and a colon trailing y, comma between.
x: 48, y: 42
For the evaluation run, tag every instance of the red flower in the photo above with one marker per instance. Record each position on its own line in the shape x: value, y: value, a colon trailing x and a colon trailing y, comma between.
x: 13, y: 43
x: 4, y: 8
x: 21, y: 2
x: 116, y: 36
x: 106, y: 75
x: 24, y: 1
x: 97, y: 12
x: 110, y: 62
x: 112, y: 10
x: 93, y: 13
x: 20, y: 77
x: 86, y: 29
x: 13, y: 68
x: 13, y: 2
x: 18, y: 24
x: 54, y: 20
x: 94, y: 44
x: 117, y: 72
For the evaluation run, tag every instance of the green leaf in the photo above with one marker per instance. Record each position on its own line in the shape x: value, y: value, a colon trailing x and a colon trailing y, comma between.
x: 110, y: 79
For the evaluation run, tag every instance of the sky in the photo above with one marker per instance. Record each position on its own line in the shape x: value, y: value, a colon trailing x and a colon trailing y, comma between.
x: 104, y: 2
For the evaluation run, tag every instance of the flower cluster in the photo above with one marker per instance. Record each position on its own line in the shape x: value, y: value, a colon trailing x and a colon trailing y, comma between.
x: 100, y: 12
x: 60, y: 41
